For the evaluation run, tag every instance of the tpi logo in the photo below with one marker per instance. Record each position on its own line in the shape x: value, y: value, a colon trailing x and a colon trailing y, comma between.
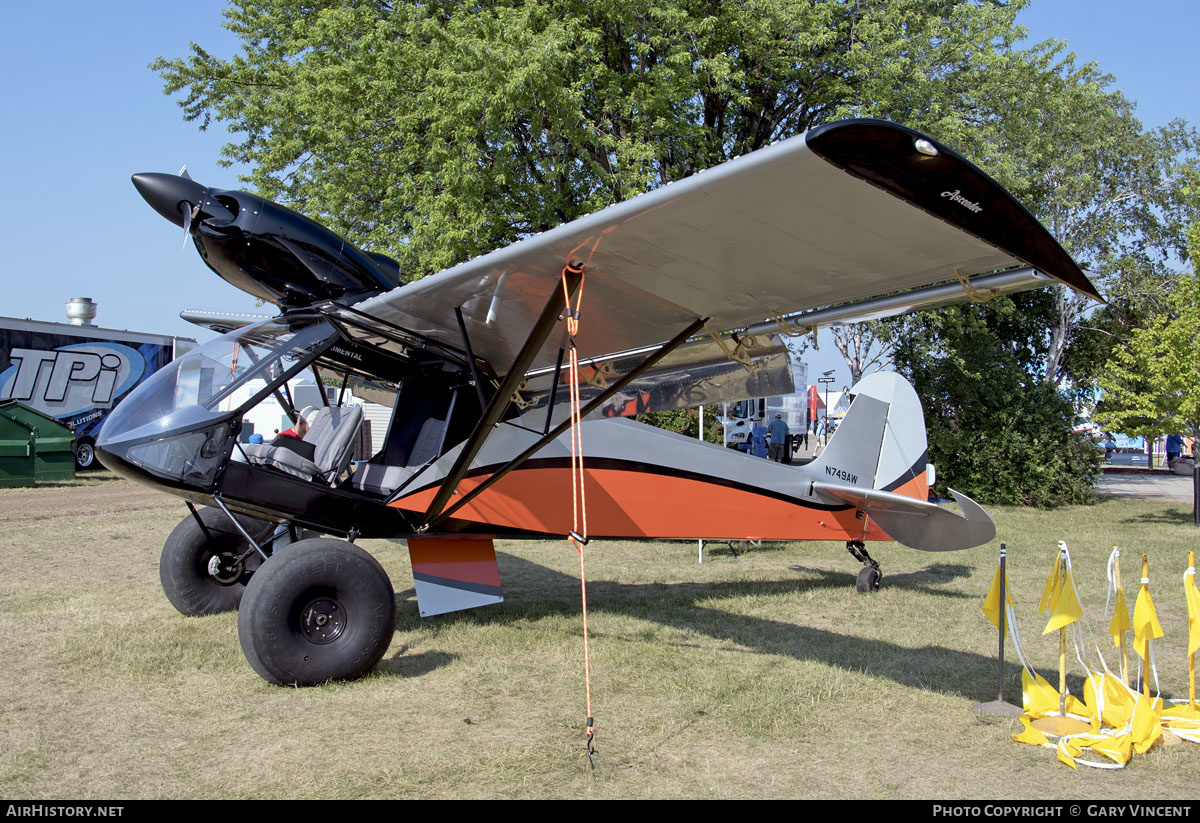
x: 71, y: 379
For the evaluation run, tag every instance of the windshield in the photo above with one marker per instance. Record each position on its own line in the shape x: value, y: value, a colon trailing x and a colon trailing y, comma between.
x: 200, y: 385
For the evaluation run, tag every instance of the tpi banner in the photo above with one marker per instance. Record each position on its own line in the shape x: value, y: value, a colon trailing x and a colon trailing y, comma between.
x: 77, y: 383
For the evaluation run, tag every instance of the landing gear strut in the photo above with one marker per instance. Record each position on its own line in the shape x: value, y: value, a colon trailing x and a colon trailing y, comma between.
x: 870, y: 574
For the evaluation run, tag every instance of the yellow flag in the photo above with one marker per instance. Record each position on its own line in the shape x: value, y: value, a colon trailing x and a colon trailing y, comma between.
x: 1193, y: 604
x: 1120, y: 619
x: 1031, y: 735
x: 1038, y: 697
x: 1065, y: 606
x: 1067, y: 754
x: 991, y: 603
x: 1117, y: 747
x: 1092, y: 700
x: 1051, y: 584
x: 1146, y: 725
x: 1118, y: 702
x: 1145, y: 623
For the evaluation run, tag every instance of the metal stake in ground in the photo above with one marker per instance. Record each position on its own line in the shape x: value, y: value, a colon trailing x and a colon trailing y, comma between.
x: 998, y: 707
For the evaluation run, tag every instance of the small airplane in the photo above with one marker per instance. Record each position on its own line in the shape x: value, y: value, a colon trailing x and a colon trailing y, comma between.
x: 665, y: 296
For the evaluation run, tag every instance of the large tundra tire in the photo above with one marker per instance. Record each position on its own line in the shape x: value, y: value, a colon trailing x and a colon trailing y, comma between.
x: 319, y: 610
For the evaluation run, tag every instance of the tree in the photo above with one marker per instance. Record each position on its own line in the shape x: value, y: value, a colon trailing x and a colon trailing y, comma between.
x: 863, y: 347
x: 1113, y: 194
x: 997, y: 431
x: 1152, y: 385
x: 437, y: 131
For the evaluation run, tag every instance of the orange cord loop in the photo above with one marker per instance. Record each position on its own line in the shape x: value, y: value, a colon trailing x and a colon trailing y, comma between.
x: 578, y: 533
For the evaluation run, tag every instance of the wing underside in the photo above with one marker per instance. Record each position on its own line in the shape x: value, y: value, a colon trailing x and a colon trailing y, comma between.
x: 842, y: 213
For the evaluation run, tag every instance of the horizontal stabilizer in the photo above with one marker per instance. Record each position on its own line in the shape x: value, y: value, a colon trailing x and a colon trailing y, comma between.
x: 916, y: 523
x: 221, y: 322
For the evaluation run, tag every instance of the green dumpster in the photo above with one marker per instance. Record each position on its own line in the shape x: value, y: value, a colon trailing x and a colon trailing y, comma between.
x: 34, y: 447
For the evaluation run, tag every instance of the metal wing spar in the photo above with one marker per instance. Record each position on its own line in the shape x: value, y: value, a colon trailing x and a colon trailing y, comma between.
x: 843, y: 212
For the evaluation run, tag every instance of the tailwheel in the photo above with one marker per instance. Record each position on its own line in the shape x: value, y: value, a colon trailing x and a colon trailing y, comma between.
x: 870, y: 575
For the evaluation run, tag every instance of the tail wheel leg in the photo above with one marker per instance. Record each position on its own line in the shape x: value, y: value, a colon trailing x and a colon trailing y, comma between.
x: 870, y: 574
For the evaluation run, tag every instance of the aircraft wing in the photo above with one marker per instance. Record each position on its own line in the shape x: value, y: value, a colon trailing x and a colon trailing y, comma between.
x: 846, y: 211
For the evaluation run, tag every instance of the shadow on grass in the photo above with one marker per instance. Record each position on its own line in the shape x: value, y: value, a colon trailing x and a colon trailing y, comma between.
x: 680, y: 606
x: 403, y: 664
x: 1167, y: 517
x: 913, y: 581
x: 737, y: 548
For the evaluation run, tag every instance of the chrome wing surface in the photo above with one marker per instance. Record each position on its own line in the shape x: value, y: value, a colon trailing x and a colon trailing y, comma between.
x: 841, y: 213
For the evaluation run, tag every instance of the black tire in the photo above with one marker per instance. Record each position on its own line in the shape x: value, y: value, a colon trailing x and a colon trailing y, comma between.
x: 85, y: 455
x: 868, y: 579
x: 185, y: 566
x: 319, y: 610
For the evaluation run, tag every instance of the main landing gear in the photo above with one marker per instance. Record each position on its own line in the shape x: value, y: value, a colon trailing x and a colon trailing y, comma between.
x: 320, y: 610
x: 870, y: 574
x: 206, y: 562
x: 315, y: 610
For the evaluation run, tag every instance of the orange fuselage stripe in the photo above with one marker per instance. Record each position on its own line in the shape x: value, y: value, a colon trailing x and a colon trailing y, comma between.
x: 624, y: 503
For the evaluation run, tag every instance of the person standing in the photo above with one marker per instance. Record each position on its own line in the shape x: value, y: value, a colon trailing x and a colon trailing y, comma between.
x: 1174, y: 447
x: 777, y: 433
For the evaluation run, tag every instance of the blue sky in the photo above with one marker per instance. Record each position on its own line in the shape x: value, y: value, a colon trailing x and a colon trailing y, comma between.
x: 83, y: 112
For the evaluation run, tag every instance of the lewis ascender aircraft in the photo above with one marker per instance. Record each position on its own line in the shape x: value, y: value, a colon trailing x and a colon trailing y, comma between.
x: 665, y: 296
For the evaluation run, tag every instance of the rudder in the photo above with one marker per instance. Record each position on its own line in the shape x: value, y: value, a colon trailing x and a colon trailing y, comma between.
x: 881, y: 442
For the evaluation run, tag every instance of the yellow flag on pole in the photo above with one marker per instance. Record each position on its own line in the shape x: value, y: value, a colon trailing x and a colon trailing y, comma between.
x: 1120, y: 619
x: 991, y: 604
x: 1051, y: 584
x: 1193, y: 604
x: 1145, y: 618
x: 1064, y: 605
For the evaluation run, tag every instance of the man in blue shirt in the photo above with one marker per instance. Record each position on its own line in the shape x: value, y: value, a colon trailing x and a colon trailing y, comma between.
x: 1174, y: 447
x: 777, y: 432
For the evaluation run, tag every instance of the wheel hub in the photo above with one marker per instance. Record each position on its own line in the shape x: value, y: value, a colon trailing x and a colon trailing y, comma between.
x: 224, y: 569
x: 323, y: 620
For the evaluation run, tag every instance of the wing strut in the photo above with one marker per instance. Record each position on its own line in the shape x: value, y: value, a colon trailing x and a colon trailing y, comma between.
x: 541, y: 330
x: 595, y: 403
x: 462, y: 328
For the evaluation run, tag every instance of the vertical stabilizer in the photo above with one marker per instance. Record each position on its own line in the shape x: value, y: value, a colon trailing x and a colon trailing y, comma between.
x: 880, y: 443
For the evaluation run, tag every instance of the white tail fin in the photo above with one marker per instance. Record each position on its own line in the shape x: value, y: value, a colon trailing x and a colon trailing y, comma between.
x: 876, y: 461
x: 880, y: 443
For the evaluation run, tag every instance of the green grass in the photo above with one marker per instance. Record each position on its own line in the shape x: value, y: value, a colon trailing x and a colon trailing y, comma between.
x: 758, y: 676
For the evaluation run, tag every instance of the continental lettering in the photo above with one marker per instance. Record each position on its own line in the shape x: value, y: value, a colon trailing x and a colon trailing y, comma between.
x: 344, y: 353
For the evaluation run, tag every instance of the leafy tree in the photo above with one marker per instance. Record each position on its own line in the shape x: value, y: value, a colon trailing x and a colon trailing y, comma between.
x: 437, y: 131
x: 687, y: 422
x: 997, y: 431
x: 1152, y: 384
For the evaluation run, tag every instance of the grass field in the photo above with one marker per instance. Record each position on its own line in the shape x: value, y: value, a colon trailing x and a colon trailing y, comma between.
x: 759, y: 676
